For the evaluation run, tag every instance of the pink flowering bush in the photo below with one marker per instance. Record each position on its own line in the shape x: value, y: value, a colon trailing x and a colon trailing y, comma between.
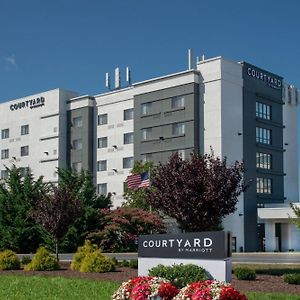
x: 144, y: 288
x: 148, y: 287
x: 209, y: 290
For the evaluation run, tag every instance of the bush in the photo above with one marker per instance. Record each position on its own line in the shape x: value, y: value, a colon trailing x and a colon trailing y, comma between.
x: 133, y: 263
x: 9, y: 260
x: 25, y: 260
x: 81, y: 253
x: 97, y: 262
x: 124, y: 263
x: 42, y: 261
x: 88, y: 258
x: 244, y: 273
x: 179, y: 275
x: 122, y: 227
x: 291, y: 278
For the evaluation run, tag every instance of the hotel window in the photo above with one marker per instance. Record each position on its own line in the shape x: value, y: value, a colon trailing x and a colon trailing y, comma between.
x: 177, y: 102
x: 146, y: 108
x: 5, y: 133
x: 128, y: 114
x: 263, y: 135
x: 128, y: 138
x: 102, y: 119
x: 263, y: 160
x: 77, y: 122
x: 77, y: 144
x: 102, y: 165
x: 4, y: 153
x: 146, y: 157
x: 263, y: 111
x: 77, y: 166
x: 24, y: 171
x: 4, y: 174
x: 24, y: 150
x: 146, y: 133
x: 127, y: 162
x: 263, y: 185
x: 24, y: 129
x: 178, y: 128
x: 102, y: 188
x: 102, y: 142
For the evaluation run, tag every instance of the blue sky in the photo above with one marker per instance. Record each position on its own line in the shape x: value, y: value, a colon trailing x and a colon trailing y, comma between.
x: 72, y: 43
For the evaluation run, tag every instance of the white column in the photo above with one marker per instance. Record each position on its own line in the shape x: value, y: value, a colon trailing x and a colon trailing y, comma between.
x: 270, y: 236
x: 295, y: 237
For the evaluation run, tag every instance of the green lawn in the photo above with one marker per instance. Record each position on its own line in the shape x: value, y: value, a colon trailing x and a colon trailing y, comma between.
x: 271, y: 296
x: 58, y: 288
x: 54, y: 288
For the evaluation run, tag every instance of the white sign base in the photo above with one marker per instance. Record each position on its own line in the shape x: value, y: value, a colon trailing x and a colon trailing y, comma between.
x: 217, y: 269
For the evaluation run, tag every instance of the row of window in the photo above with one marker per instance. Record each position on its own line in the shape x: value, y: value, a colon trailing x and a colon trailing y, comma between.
x: 128, y: 138
x: 127, y: 164
x: 5, y: 132
x: 264, y: 185
x: 263, y: 111
x: 4, y: 173
x: 177, y: 129
x: 176, y: 103
x: 127, y: 115
x: 24, y: 151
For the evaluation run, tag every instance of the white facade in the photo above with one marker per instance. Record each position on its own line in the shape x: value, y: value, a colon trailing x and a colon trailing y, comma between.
x: 117, y: 149
x: 37, y: 125
x: 222, y: 92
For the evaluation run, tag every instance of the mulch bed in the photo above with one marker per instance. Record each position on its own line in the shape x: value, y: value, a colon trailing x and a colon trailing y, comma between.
x: 263, y: 283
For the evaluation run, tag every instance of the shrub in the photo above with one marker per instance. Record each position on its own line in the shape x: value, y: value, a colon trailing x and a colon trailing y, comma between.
x: 244, y: 273
x: 133, y: 263
x: 97, y: 262
x: 42, y: 261
x: 115, y: 261
x: 9, y: 260
x: 125, y: 263
x: 291, y: 278
x: 81, y: 253
x: 122, y: 227
x: 179, y: 275
x: 25, y: 260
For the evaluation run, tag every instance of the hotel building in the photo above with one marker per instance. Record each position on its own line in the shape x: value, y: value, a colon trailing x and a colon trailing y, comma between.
x: 239, y: 110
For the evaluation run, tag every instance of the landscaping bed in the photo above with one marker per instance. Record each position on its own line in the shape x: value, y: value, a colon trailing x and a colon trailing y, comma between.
x: 263, y: 283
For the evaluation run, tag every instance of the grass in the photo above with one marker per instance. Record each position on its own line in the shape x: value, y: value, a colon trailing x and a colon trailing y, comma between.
x: 55, y: 288
x: 271, y: 296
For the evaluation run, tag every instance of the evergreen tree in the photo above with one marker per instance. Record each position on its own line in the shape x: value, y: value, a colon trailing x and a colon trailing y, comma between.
x: 18, y: 231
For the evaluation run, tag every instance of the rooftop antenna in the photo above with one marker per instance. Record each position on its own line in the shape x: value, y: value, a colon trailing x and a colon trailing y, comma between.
x: 107, y: 81
x: 128, y: 76
x: 190, y: 56
x: 117, y: 78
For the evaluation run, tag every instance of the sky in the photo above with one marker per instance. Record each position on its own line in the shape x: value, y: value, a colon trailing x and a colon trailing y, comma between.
x: 71, y: 44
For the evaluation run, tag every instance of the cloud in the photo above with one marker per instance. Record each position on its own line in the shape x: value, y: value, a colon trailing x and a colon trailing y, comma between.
x: 10, y: 60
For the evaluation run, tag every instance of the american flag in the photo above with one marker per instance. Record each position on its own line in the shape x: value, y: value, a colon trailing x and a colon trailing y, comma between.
x: 135, y: 181
x: 145, y: 180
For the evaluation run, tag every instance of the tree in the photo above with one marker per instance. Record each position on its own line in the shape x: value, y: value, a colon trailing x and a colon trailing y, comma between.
x: 196, y: 192
x: 136, y: 198
x: 296, y: 210
x: 18, y: 231
x: 56, y: 211
x: 81, y: 185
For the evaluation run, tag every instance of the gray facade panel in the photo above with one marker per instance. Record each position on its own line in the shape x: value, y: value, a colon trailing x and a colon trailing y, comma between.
x: 264, y: 87
x: 85, y: 133
x: 161, y: 119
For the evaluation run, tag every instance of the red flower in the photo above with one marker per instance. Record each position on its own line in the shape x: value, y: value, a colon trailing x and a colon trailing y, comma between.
x: 167, y: 291
x: 229, y: 293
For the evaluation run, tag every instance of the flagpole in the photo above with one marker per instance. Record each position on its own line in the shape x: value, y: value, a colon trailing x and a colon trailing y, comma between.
x: 150, y: 207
